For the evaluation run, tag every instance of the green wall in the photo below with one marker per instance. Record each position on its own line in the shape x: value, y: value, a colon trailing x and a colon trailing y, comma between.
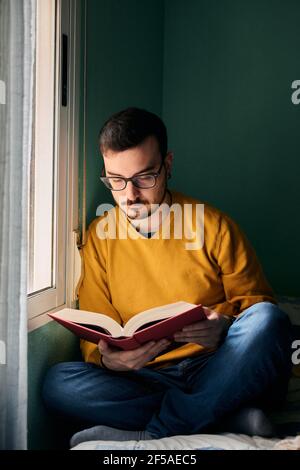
x: 47, y: 346
x: 228, y: 69
x: 124, y: 68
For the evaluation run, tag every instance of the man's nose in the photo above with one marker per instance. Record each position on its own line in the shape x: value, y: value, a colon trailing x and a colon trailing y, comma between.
x: 131, y: 191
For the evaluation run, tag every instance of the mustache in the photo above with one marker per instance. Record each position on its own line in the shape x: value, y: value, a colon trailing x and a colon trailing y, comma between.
x: 137, y: 201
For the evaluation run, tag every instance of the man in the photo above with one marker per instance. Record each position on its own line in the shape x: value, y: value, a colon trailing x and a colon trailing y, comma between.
x: 218, y: 373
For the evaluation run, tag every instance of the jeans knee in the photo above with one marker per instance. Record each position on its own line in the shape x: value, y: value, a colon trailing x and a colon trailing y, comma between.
x: 273, y: 318
x: 266, y: 321
x: 268, y: 315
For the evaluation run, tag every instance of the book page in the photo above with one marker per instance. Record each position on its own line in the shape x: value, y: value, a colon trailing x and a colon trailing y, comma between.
x: 91, y: 318
x: 155, y: 314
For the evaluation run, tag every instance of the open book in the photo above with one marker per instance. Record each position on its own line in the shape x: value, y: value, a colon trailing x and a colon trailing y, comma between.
x: 153, y: 324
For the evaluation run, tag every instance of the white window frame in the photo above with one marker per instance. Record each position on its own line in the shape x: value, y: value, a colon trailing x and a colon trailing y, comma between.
x: 66, y: 175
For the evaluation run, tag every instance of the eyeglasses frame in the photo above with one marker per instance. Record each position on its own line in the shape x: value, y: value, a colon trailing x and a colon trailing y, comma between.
x: 156, y: 175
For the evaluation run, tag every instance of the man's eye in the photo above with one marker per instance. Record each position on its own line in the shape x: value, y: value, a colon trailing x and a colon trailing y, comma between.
x: 145, y: 177
x: 116, y: 180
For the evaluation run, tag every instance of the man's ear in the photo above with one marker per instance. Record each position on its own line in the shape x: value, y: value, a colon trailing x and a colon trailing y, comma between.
x: 169, y: 162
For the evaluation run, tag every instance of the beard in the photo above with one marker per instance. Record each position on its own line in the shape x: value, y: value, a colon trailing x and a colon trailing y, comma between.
x: 137, y: 209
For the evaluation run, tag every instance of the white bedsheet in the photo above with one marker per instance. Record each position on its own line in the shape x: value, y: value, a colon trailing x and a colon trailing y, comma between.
x: 193, y: 442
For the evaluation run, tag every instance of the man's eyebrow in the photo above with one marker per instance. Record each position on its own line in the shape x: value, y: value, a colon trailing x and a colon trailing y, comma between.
x: 151, y: 167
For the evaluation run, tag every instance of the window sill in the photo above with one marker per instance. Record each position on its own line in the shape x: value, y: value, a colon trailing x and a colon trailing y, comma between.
x: 41, y: 320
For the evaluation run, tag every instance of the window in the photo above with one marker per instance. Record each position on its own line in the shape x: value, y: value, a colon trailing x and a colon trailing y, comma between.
x: 52, y: 208
x: 42, y: 210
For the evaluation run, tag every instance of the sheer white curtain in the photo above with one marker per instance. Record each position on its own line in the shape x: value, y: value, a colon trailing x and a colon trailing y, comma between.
x: 17, y: 41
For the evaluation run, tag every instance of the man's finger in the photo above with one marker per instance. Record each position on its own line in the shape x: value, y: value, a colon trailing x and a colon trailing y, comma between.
x: 149, y: 355
x: 140, y: 361
x: 193, y: 334
x: 105, y: 348
x: 139, y: 352
x: 191, y: 338
x: 207, y: 311
x: 102, y: 345
x: 155, y: 349
x: 198, y: 327
x: 160, y: 348
x: 198, y: 333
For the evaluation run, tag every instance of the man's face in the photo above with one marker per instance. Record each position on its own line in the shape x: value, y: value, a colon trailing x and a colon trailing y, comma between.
x: 137, y: 161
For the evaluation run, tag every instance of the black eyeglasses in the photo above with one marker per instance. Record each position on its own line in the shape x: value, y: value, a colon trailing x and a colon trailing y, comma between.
x: 118, y: 183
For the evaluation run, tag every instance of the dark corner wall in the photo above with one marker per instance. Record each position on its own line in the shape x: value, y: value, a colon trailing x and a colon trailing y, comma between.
x: 124, y: 68
x: 228, y: 70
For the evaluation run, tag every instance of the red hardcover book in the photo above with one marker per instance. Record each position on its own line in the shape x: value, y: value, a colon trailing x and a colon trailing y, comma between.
x: 153, y: 324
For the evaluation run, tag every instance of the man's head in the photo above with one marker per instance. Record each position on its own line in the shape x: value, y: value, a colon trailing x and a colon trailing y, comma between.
x: 134, y: 143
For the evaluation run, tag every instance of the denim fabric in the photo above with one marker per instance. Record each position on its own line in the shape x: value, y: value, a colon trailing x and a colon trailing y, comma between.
x: 251, y: 367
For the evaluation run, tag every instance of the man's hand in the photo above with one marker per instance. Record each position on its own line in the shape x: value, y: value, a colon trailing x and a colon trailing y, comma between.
x: 207, y: 333
x: 116, y: 359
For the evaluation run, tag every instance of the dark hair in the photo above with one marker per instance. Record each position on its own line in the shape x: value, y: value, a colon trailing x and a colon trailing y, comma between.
x: 129, y: 128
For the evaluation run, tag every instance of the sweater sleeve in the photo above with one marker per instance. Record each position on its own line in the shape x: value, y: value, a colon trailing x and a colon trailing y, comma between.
x: 241, y: 272
x: 93, y: 292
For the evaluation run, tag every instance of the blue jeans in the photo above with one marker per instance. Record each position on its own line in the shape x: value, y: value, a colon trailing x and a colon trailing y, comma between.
x: 250, y: 368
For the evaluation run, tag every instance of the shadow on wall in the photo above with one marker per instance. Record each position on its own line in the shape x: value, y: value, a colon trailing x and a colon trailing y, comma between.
x: 47, y: 346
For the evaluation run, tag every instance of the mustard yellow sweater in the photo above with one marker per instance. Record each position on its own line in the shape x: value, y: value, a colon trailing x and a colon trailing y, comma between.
x: 123, y: 277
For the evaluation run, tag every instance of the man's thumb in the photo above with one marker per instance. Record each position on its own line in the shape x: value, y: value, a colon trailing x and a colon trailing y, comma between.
x: 102, y: 346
